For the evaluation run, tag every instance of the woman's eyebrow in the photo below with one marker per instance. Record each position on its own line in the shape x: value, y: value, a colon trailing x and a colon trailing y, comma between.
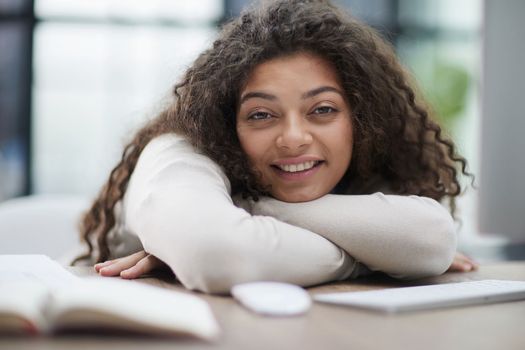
x: 270, y: 97
x: 258, y: 94
x: 320, y: 90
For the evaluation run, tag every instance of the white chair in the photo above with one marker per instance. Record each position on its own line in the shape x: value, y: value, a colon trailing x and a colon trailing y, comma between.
x: 42, y: 224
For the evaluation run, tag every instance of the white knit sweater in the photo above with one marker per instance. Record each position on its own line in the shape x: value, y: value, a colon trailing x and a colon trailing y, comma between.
x: 178, y: 207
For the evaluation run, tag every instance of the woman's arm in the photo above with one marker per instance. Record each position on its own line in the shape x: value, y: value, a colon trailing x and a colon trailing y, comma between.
x: 178, y: 204
x: 404, y: 236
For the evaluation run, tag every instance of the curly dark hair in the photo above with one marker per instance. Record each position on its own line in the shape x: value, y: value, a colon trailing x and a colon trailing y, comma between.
x: 394, y: 137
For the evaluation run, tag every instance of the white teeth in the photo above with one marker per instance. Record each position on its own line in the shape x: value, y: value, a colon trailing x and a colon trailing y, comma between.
x: 292, y: 168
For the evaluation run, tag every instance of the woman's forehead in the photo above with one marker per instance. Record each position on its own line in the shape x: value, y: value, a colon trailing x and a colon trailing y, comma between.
x: 302, y: 71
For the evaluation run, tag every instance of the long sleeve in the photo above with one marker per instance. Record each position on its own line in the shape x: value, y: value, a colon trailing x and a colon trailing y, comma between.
x: 178, y: 204
x: 404, y: 236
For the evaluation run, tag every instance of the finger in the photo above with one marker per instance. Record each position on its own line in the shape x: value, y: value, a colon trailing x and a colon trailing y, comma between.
x: 460, y: 266
x: 455, y: 267
x: 134, y: 271
x: 466, y: 267
x: 465, y: 259
x: 144, y: 266
x: 471, y: 262
x: 122, y: 264
x: 98, y: 266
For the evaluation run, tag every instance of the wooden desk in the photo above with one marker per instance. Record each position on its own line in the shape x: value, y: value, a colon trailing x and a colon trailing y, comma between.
x: 495, y: 326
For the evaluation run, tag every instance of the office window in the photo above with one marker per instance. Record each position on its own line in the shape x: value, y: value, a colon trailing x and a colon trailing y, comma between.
x: 16, y: 31
x: 101, y: 69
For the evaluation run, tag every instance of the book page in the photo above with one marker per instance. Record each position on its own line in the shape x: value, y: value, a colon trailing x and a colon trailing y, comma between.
x: 21, y: 306
x: 26, y: 283
x: 113, y: 303
x: 36, y: 268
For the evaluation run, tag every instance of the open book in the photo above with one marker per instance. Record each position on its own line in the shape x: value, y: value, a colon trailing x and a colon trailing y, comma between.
x: 38, y: 296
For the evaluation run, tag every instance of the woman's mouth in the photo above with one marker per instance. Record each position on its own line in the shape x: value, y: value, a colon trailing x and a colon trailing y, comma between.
x: 298, y: 171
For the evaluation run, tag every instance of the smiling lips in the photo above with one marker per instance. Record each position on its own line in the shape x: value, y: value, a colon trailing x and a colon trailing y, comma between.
x: 298, y: 171
x: 292, y: 168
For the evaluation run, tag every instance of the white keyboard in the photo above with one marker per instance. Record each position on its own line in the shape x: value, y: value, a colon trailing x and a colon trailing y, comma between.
x: 429, y: 297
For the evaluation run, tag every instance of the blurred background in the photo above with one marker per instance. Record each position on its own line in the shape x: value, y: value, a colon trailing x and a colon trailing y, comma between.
x: 78, y: 77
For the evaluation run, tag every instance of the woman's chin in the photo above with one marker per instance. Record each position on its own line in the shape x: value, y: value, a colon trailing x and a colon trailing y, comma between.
x: 296, y: 196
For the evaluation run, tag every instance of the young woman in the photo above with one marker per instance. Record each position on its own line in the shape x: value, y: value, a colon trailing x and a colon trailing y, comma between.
x: 304, y: 116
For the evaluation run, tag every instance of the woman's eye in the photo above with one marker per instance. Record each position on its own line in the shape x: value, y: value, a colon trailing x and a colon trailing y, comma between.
x: 324, y: 110
x: 259, y: 116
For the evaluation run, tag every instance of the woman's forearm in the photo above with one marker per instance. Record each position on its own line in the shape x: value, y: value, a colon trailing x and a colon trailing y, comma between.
x: 404, y: 236
x: 179, y: 205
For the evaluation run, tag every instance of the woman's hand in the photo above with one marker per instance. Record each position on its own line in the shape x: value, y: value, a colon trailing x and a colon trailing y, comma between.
x: 462, y: 263
x: 129, y: 267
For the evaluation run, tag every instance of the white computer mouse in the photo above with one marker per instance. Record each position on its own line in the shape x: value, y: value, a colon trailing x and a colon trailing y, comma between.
x: 272, y: 298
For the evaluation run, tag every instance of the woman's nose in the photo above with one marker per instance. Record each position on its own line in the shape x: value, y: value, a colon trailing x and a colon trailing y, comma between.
x: 294, y: 134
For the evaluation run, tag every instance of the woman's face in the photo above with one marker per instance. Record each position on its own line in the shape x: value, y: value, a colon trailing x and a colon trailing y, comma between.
x: 293, y: 122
